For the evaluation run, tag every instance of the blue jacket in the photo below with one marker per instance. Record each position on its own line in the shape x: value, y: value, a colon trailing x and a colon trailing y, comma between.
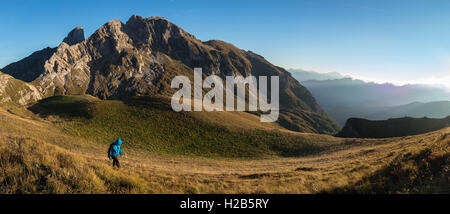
x: 115, y: 149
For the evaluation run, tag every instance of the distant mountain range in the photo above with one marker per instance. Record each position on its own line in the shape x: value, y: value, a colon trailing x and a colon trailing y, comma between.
x: 302, y: 75
x: 346, y: 97
x: 140, y: 58
x: 438, y: 109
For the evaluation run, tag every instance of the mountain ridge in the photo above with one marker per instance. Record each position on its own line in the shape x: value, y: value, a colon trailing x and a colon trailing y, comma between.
x: 347, y: 97
x: 304, y: 75
x: 394, y: 127
x: 141, y: 56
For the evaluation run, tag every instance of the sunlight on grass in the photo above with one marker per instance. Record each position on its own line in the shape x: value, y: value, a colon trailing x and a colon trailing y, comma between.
x: 66, y: 153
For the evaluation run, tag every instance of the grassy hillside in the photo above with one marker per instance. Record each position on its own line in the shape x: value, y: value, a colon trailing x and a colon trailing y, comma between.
x: 64, y: 153
x: 148, y: 123
x: 34, y: 166
x: 422, y: 170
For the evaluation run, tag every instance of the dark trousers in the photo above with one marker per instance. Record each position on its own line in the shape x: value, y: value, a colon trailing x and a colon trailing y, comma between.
x: 116, y: 162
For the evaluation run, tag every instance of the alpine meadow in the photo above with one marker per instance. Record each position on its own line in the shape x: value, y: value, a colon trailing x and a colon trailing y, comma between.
x: 263, y: 132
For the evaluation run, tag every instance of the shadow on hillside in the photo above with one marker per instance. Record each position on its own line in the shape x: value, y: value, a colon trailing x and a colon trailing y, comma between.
x: 154, y: 102
x: 64, y: 106
x: 396, y: 127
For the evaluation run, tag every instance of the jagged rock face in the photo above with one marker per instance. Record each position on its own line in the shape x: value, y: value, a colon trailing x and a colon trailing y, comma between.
x: 15, y: 91
x: 31, y: 67
x: 142, y: 56
x: 75, y: 36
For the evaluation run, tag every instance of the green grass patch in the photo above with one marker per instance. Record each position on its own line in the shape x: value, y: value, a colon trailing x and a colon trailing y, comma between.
x: 148, y: 123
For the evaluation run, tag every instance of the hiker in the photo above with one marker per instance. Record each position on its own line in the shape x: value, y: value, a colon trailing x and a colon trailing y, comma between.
x: 114, y: 151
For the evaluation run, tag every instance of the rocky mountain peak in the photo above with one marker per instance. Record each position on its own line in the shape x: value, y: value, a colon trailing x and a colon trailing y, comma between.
x: 154, y: 28
x: 142, y: 56
x: 75, y: 36
x: 154, y: 18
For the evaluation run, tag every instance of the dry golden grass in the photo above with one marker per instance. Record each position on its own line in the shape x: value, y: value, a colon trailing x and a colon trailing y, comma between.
x: 37, y: 157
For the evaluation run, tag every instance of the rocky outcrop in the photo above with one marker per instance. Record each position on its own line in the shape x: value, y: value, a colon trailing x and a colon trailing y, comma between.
x: 31, y: 67
x: 14, y: 91
x: 75, y: 36
x: 141, y: 57
x: 363, y: 128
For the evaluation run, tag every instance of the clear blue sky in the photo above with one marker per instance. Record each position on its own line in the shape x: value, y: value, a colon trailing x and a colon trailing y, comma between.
x: 381, y: 40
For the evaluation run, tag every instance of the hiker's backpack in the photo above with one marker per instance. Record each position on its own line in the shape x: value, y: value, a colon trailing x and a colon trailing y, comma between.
x: 115, y: 150
x: 110, y: 151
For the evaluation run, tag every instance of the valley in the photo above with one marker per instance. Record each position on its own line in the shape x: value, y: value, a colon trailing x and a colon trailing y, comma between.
x: 344, y: 98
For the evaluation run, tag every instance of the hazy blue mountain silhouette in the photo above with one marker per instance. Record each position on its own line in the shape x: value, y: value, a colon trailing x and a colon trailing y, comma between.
x: 346, y: 97
x: 302, y: 75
